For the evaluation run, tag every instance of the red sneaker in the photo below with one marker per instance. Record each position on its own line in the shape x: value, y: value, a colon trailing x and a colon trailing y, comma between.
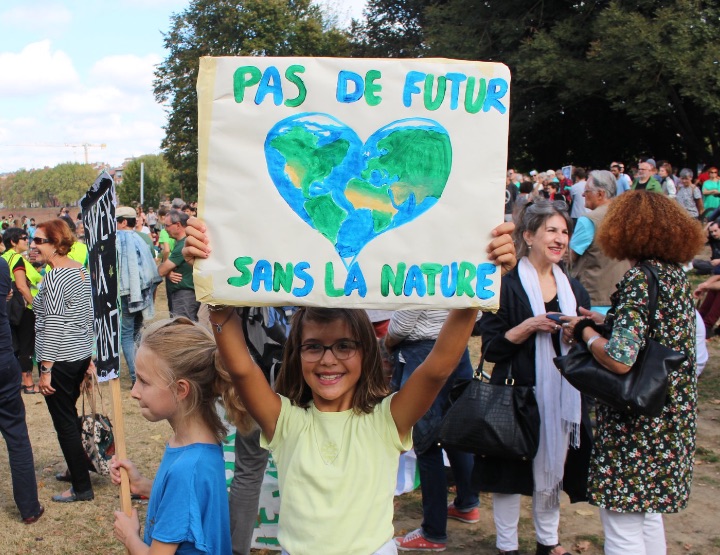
x: 415, y: 541
x: 471, y: 517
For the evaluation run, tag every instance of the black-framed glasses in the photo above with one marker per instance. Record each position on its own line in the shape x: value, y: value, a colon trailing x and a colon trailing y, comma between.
x: 23, y: 238
x: 342, y: 350
x: 40, y: 240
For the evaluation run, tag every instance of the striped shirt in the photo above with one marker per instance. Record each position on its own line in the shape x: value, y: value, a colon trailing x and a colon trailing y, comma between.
x: 417, y: 325
x: 64, y: 316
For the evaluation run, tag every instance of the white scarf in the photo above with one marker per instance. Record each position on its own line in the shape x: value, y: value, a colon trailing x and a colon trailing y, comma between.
x: 558, y: 401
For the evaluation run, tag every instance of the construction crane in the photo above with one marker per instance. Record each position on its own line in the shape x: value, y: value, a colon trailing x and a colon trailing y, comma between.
x: 85, y: 146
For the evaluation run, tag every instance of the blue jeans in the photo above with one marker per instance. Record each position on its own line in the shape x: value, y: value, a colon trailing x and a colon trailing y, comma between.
x: 433, y: 481
x: 130, y: 326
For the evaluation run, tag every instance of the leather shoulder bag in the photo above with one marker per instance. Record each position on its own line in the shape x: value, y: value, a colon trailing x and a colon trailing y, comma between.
x: 643, y: 389
x: 492, y: 420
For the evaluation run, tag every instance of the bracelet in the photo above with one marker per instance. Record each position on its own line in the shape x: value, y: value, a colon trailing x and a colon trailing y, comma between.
x: 45, y: 369
x: 219, y: 327
x: 592, y: 340
x: 217, y: 307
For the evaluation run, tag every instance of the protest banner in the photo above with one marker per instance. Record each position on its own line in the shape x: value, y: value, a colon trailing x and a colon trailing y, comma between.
x: 361, y: 183
x: 98, y: 214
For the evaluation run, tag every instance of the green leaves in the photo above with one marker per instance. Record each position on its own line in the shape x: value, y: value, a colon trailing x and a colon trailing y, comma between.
x: 58, y: 186
x: 159, y: 181
x: 592, y: 81
x: 229, y: 28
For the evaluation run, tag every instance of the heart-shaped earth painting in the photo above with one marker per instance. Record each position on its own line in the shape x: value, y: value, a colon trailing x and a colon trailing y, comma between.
x: 352, y: 192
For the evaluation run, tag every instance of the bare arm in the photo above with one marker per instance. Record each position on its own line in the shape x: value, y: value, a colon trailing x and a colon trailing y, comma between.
x: 709, y: 284
x: 166, y: 267
x: 165, y: 251
x: 22, y: 285
x: 598, y: 351
x: 261, y: 401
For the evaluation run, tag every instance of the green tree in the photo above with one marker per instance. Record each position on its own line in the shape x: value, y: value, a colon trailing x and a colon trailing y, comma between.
x: 158, y: 180
x: 592, y: 81
x: 390, y: 29
x: 68, y: 183
x: 229, y: 28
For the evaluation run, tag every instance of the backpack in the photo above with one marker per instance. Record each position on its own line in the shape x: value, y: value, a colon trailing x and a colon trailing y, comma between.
x: 266, y: 329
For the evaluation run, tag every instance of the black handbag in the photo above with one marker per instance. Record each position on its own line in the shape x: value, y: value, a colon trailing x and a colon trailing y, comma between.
x: 492, y: 420
x: 15, y: 306
x: 642, y: 390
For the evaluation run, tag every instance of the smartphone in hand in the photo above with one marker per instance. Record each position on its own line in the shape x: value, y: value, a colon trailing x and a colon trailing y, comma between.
x: 555, y: 317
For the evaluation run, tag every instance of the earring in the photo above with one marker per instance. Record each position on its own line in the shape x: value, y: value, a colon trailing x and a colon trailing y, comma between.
x: 529, y: 246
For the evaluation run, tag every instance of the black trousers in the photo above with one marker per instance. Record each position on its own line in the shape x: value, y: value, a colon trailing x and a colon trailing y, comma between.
x: 66, y: 379
x: 14, y: 431
x: 23, y: 336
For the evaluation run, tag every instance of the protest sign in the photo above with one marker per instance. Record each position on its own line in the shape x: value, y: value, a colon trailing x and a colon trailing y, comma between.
x: 361, y: 183
x: 98, y: 214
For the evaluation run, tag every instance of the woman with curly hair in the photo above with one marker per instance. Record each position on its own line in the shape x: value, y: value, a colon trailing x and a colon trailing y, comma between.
x: 641, y: 466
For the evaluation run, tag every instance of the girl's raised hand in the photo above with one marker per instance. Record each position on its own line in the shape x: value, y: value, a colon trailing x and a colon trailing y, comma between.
x: 501, y: 249
x: 197, y: 244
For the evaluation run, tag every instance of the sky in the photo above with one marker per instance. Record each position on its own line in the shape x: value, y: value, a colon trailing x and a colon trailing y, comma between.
x: 76, y: 77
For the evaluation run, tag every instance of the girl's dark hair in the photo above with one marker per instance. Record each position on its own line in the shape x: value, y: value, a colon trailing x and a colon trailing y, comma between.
x: 12, y: 235
x: 371, y: 387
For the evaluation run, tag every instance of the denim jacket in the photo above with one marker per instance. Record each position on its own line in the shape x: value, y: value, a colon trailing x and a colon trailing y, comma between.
x: 137, y: 272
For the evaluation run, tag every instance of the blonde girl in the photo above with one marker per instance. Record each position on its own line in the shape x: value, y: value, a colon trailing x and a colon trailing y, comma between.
x: 335, y: 434
x: 179, y: 377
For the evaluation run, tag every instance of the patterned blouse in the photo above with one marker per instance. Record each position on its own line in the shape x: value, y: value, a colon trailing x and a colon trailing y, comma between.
x: 643, y: 464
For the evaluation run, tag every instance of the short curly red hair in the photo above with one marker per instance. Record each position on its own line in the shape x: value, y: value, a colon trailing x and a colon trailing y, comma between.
x: 640, y: 225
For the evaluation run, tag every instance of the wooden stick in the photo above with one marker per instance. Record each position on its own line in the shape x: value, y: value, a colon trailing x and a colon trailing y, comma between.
x: 120, y: 450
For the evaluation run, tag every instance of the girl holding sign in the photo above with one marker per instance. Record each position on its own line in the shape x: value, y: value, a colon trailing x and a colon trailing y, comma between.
x: 178, y: 380
x: 335, y: 433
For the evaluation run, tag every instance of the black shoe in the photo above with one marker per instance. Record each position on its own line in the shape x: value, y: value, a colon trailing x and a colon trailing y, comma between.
x: 63, y: 476
x: 84, y: 496
x: 541, y: 549
x: 34, y: 518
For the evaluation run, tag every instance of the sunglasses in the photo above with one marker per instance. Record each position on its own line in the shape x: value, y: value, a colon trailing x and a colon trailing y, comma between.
x: 23, y: 238
x: 40, y: 240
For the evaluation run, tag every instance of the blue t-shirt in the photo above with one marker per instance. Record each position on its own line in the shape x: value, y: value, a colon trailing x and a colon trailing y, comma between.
x: 189, y: 502
x: 583, y: 235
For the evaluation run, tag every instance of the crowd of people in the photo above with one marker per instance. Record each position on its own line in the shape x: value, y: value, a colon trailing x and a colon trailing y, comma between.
x: 337, y: 394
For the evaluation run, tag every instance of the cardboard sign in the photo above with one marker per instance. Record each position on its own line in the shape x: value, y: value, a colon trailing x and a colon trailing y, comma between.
x: 98, y: 214
x: 358, y: 183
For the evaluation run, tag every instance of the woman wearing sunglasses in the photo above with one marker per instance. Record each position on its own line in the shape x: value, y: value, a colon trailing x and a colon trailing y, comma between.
x: 63, y: 347
x: 26, y: 279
